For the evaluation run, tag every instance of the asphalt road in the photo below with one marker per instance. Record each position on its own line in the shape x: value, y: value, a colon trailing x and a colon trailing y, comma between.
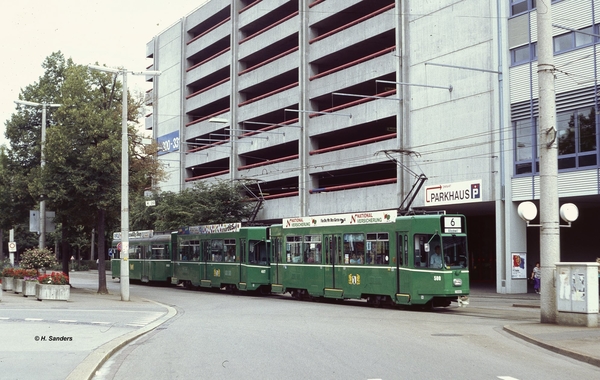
x: 221, y: 336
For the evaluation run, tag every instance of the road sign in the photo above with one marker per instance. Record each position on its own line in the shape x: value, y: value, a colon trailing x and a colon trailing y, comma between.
x: 12, y: 246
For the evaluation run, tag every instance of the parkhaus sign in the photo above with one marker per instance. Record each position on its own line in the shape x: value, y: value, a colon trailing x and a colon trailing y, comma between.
x: 453, y: 193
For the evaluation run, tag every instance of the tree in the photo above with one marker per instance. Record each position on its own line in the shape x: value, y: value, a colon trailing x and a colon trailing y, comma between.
x: 81, y: 177
x: 220, y: 202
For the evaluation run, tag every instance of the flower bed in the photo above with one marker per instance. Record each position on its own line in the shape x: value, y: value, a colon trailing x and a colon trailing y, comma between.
x: 54, y: 278
x: 7, y: 279
x: 53, y: 286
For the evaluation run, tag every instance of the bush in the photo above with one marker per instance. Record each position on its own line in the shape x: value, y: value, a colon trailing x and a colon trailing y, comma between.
x: 36, y: 258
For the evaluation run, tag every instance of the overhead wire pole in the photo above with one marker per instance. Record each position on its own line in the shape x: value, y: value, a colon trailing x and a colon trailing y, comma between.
x: 124, y: 275
x: 42, y: 241
x: 548, y: 148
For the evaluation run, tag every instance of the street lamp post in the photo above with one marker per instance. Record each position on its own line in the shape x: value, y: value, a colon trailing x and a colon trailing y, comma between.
x: 124, y: 177
x: 44, y: 105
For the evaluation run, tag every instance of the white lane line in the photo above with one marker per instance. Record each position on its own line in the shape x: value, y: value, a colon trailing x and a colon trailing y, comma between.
x: 134, y: 325
x: 507, y: 378
x: 67, y: 320
x: 33, y: 319
x: 101, y: 323
x: 5, y: 318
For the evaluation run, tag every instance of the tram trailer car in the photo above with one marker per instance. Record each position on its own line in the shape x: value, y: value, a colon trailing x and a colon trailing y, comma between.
x: 223, y: 256
x: 377, y: 256
x: 150, y: 256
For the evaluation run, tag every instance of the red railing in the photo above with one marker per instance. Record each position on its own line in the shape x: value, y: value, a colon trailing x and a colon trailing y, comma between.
x: 353, y: 103
x: 353, y: 144
x: 353, y: 63
x: 208, y: 59
x: 208, y: 88
x: 292, y: 85
x: 269, y: 27
x: 353, y: 185
x: 207, y: 117
x: 350, y: 24
x: 249, y: 6
x: 207, y: 175
x: 268, y: 61
x: 269, y: 162
x: 209, y: 30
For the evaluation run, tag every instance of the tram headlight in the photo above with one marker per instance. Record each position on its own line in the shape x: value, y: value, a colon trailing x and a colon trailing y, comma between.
x: 457, y: 282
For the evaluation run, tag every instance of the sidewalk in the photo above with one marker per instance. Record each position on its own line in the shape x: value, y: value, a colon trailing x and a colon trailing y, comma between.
x: 580, y: 343
x: 92, y: 341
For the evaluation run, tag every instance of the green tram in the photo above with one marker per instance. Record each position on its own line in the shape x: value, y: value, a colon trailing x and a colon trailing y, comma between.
x: 150, y: 256
x: 377, y: 256
x: 223, y: 256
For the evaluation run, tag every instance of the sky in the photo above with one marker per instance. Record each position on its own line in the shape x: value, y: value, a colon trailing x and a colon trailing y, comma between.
x: 111, y: 32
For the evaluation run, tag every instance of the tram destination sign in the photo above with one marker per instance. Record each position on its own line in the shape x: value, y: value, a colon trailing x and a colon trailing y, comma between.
x: 452, y: 224
x: 370, y: 217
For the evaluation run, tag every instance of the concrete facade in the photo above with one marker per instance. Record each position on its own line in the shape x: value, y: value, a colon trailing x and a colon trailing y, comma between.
x: 310, y: 94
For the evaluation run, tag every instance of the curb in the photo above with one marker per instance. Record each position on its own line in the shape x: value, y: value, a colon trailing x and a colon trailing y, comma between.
x: 558, y: 350
x: 92, y: 363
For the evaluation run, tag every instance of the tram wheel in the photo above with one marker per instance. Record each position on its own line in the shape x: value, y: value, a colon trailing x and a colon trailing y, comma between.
x: 374, y: 301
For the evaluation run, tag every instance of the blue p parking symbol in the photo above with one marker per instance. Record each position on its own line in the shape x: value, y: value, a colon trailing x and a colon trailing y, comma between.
x: 475, y: 194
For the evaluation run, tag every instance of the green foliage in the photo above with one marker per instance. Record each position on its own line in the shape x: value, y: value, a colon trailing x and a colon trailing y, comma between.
x: 81, y: 178
x: 220, y: 202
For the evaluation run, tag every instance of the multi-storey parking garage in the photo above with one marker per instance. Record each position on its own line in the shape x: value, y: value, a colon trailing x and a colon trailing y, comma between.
x: 326, y: 107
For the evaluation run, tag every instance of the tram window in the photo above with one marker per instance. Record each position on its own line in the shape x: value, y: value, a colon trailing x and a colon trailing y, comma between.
x: 229, y: 250
x: 420, y: 254
x: 257, y: 252
x: 277, y: 250
x: 455, y: 252
x: 159, y: 251
x: 243, y: 250
x: 292, y: 247
x: 135, y: 252
x: 378, y: 248
x: 217, y: 250
x: 312, y: 248
x: 189, y: 250
x: 399, y: 250
x: 406, y: 249
x: 354, y: 248
x: 425, y: 251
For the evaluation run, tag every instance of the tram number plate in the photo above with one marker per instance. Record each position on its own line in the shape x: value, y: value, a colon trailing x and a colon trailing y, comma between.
x: 437, y: 278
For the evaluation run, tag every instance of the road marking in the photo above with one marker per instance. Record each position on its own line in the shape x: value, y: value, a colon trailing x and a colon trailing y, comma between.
x: 507, y: 378
x: 135, y: 325
x: 101, y: 323
x: 4, y: 318
x: 67, y: 320
x: 33, y: 319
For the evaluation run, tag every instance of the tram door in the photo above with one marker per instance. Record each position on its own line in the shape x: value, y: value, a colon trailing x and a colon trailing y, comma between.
x: 333, y: 252
x: 402, y: 279
x: 145, y: 260
x: 243, y: 261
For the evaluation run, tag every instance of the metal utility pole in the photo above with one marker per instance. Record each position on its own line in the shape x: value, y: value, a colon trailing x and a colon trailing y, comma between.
x: 124, y: 276
x: 548, y: 149
x: 42, y: 244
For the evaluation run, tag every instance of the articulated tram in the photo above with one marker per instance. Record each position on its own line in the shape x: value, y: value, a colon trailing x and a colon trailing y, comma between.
x: 378, y: 256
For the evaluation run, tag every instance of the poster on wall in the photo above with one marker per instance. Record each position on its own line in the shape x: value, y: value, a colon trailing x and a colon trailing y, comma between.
x: 519, y: 265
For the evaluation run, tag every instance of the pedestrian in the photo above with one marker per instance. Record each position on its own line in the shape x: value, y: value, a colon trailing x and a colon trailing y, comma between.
x: 536, y: 274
